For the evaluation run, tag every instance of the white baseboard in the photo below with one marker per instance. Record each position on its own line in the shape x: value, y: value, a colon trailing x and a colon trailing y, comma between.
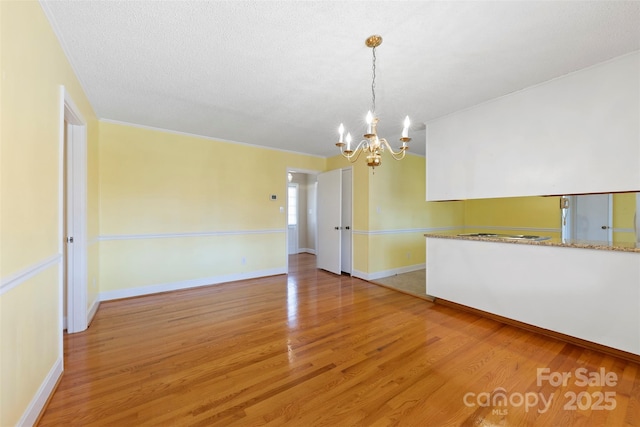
x: 174, y: 286
x: 30, y: 415
x: 386, y: 273
x: 307, y: 250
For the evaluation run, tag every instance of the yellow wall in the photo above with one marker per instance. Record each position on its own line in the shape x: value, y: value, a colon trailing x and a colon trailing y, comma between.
x: 93, y: 212
x: 624, y: 208
x: 399, y: 214
x: 167, y: 200
x: 523, y: 215
x: 518, y: 215
x: 538, y: 215
x: 33, y: 68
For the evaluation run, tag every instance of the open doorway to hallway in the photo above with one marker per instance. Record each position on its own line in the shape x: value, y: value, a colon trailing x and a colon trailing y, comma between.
x: 301, y: 213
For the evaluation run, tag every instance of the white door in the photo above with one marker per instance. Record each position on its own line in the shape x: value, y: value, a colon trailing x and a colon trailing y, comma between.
x: 73, y: 217
x: 67, y: 222
x: 329, y: 221
x: 591, y: 217
x: 636, y: 222
x: 346, y: 220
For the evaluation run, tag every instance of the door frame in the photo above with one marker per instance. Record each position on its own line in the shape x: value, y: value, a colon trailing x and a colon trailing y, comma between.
x: 568, y: 216
x: 286, y: 209
x: 76, y: 139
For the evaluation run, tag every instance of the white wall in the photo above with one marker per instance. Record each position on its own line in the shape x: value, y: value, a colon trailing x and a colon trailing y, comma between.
x: 579, y: 133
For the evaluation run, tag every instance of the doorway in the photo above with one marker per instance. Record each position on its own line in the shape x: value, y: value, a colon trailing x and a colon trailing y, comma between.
x: 292, y: 217
x: 301, y: 212
x: 588, y: 217
x: 73, y: 216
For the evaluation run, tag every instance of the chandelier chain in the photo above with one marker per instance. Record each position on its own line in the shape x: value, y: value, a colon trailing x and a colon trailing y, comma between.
x: 373, y: 83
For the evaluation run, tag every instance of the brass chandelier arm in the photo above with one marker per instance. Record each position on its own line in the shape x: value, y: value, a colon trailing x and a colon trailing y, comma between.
x: 353, y: 155
x: 399, y: 155
x: 375, y: 149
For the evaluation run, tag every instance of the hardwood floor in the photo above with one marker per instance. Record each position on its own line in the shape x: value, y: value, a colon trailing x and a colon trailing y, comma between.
x: 311, y: 349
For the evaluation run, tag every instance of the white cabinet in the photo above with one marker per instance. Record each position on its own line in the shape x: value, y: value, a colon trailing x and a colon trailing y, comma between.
x: 579, y: 133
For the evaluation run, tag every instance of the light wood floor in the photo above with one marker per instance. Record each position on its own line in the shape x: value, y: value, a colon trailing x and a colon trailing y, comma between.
x: 311, y: 349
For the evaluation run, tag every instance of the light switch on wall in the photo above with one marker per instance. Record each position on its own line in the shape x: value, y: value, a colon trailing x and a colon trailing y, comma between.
x: 281, y: 209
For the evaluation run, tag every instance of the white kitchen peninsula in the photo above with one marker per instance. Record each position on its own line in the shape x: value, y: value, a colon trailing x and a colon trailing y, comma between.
x: 577, y: 134
x: 587, y: 290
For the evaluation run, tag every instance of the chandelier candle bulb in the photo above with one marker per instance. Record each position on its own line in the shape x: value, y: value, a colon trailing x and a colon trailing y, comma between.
x: 405, y: 131
x: 369, y: 121
x: 348, y: 141
x: 341, y: 132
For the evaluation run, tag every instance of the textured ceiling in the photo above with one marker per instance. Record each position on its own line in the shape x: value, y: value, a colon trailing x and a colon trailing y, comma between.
x: 285, y: 74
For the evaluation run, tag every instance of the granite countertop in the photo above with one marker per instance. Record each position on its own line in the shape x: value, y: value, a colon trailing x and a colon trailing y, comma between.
x: 583, y: 244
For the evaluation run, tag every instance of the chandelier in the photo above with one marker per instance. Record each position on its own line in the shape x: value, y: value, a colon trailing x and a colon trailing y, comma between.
x: 372, y: 145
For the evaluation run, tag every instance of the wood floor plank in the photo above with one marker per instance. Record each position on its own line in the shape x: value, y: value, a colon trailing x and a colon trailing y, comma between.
x: 310, y: 349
